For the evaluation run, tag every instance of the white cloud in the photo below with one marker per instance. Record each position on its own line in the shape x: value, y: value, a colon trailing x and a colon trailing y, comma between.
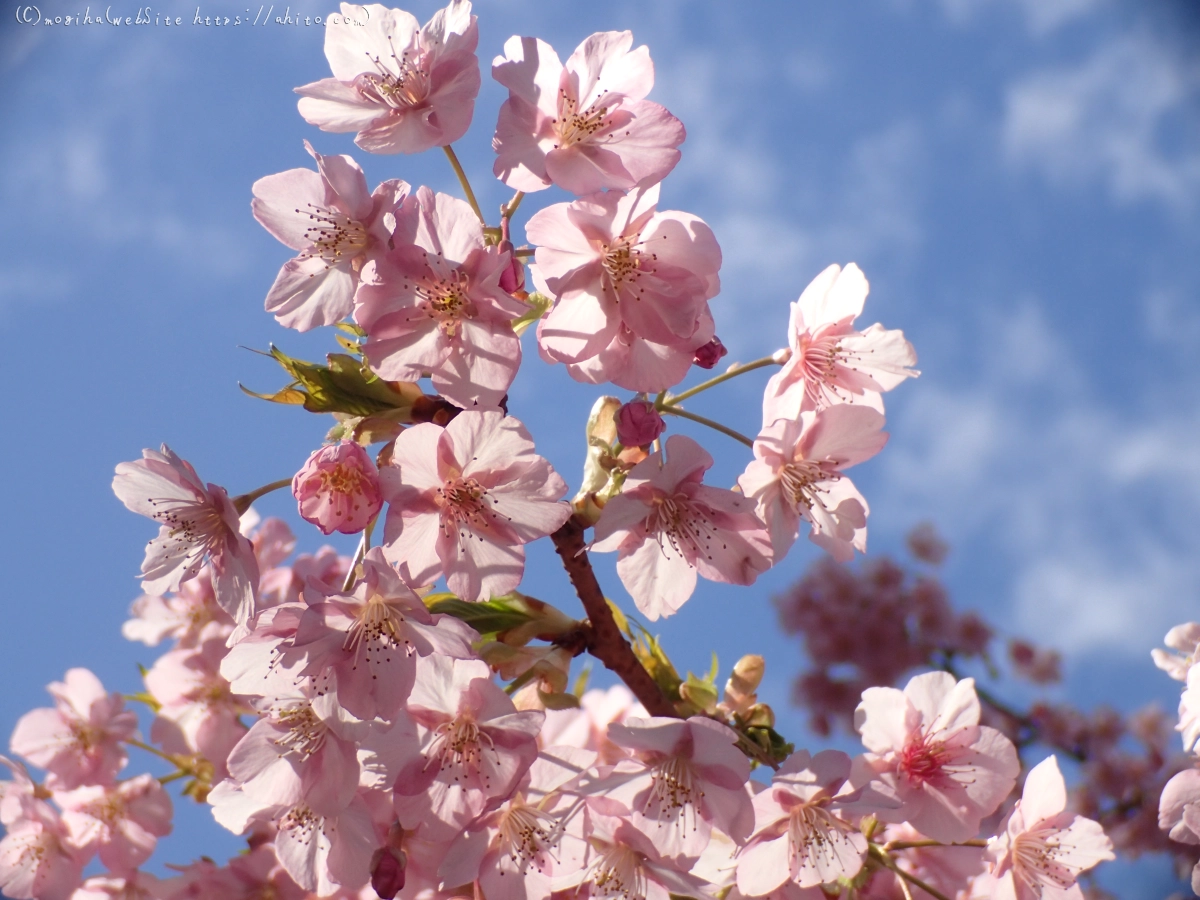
x: 1089, y: 506
x: 1106, y: 120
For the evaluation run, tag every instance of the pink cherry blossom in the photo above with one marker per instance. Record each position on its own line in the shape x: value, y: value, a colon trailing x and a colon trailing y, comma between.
x: 438, y: 306
x: 516, y: 851
x: 831, y: 362
x: 1179, y: 813
x: 464, y: 499
x: 37, y: 859
x: 585, y: 126
x: 799, y: 835
x: 684, y: 778
x: 796, y: 476
x: 124, y: 821
x: 474, y: 745
x: 135, y: 886
x: 338, y: 488
x: 1044, y: 848
x: 631, y: 286
x: 639, y: 423
x: 198, y: 711
x: 1189, y: 711
x: 79, y: 741
x: 320, y: 853
x: 369, y: 641
x: 587, y: 726
x: 199, y: 523
x: 335, y: 223
x: 624, y: 862
x: 926, y: 745
x: 302, y: 749
x: 1184, y: 640
x: 402, y: 87
x: 668, y: 526
x: 185, y: 616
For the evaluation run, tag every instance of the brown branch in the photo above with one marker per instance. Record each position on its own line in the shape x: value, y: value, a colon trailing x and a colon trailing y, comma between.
x: 605, y: 642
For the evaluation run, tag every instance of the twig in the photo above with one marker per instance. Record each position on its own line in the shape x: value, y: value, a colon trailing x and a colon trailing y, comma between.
x: 605, y: 642
x: 462, y: 179
x: 732, y: 372
x: 683, y: 413
x: 890, y: 863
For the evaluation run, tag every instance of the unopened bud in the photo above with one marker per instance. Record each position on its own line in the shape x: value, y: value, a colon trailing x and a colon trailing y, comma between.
x: 779, y: 357
x: 708, y: 355
x: 639, y: 423
x: 387, y: 871
x: 512, y: 279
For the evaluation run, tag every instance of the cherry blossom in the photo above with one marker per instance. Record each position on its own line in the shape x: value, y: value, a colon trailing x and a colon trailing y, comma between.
x: 402, y: 87
x: 1179, y: 813
x: 796, y: 476
x: 135, y: 886
x: 631, y: 286
x: 639, y: 423
x: 464, y: 499
x: 438, y: 306
x: 831, y: 362
x: 474, y: 746
x: 799, y: 835
x: 335, y: 223
x: 585, y: 126
x: 667, y: 526
x: 199, y: 523
x: 37, y: 858
x: 926, y: 745
x: 1184, y: 640
x: 79, y: 741
x: 517, y: 851
x: 184, y: 616
x: 338, y: 488
x: 1189, y: 711
x: 587, y: 726
x: 123, y: 821
x: 1043, y: 849
x: 684, y: 778
x: 369, y: 641
x: 623, y: 862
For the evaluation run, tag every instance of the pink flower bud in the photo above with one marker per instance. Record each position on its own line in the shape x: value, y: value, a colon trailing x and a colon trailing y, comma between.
x: 338, y: 489
x: 638, y: 423
x: 708, y: 355
x: 387, y: 872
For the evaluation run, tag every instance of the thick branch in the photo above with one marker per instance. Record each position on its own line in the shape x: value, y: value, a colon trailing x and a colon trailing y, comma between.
x: 606, y: 642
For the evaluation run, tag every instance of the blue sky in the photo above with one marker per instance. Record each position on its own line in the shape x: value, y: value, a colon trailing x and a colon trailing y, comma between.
x: 1019, y: 180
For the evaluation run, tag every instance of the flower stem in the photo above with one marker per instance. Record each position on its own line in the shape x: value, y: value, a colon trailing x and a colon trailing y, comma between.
x: 909, y: 845
x: 462, y: 179
x: 731, y: 372
x: 683, y: 413
x: 134, y: 742
x: 364, y: 544
x: 243, y: 502
x: 890, y: 863
x: 506, y: 211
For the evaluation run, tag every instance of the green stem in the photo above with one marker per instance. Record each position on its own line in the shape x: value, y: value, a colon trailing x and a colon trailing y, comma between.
x: 134, y: 742
x: 683, y: 413
x: 462, y: 179
x: 509, y: 208
x: 243, y: 502
x: 910, y: 845
x: 732, y: 372
x: 910, y: 878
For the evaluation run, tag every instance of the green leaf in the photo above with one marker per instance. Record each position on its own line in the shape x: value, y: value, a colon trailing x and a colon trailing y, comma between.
x: 343, y: 385
x: 486, y: 616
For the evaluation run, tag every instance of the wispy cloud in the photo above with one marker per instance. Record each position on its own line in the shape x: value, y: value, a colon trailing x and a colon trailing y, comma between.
x: 1107, y: 120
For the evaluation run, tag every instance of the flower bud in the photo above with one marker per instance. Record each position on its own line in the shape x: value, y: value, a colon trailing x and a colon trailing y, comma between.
x: 639, y: 423
x: 387, y: 872
x: 338, y: 489
x: 512, y: 279
x: 708, y: 355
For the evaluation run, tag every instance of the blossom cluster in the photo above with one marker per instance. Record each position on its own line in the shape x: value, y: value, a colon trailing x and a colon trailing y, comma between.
x: 347, y: 716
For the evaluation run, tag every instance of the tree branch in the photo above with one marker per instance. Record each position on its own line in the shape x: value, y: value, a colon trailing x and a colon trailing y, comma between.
x: 605, y: 642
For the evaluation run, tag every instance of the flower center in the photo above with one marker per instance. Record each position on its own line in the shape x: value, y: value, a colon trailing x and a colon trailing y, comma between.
x: 801, y: 480
x: 332, y: 235
x: 1036, y: 861
x: 305, y: 733
x: 446, y: 300
x: 575, y: 126
x: 526, y: 834
x: 674, y: 791
x: 466, y: 507
x: 812, y: 829
x: 684, y: 526
x: 618, y: 873
x: 924, y: 761
x: 459, y: 744
x: 403, y: 86
x: 195, y: 529
x: 378, y: 629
